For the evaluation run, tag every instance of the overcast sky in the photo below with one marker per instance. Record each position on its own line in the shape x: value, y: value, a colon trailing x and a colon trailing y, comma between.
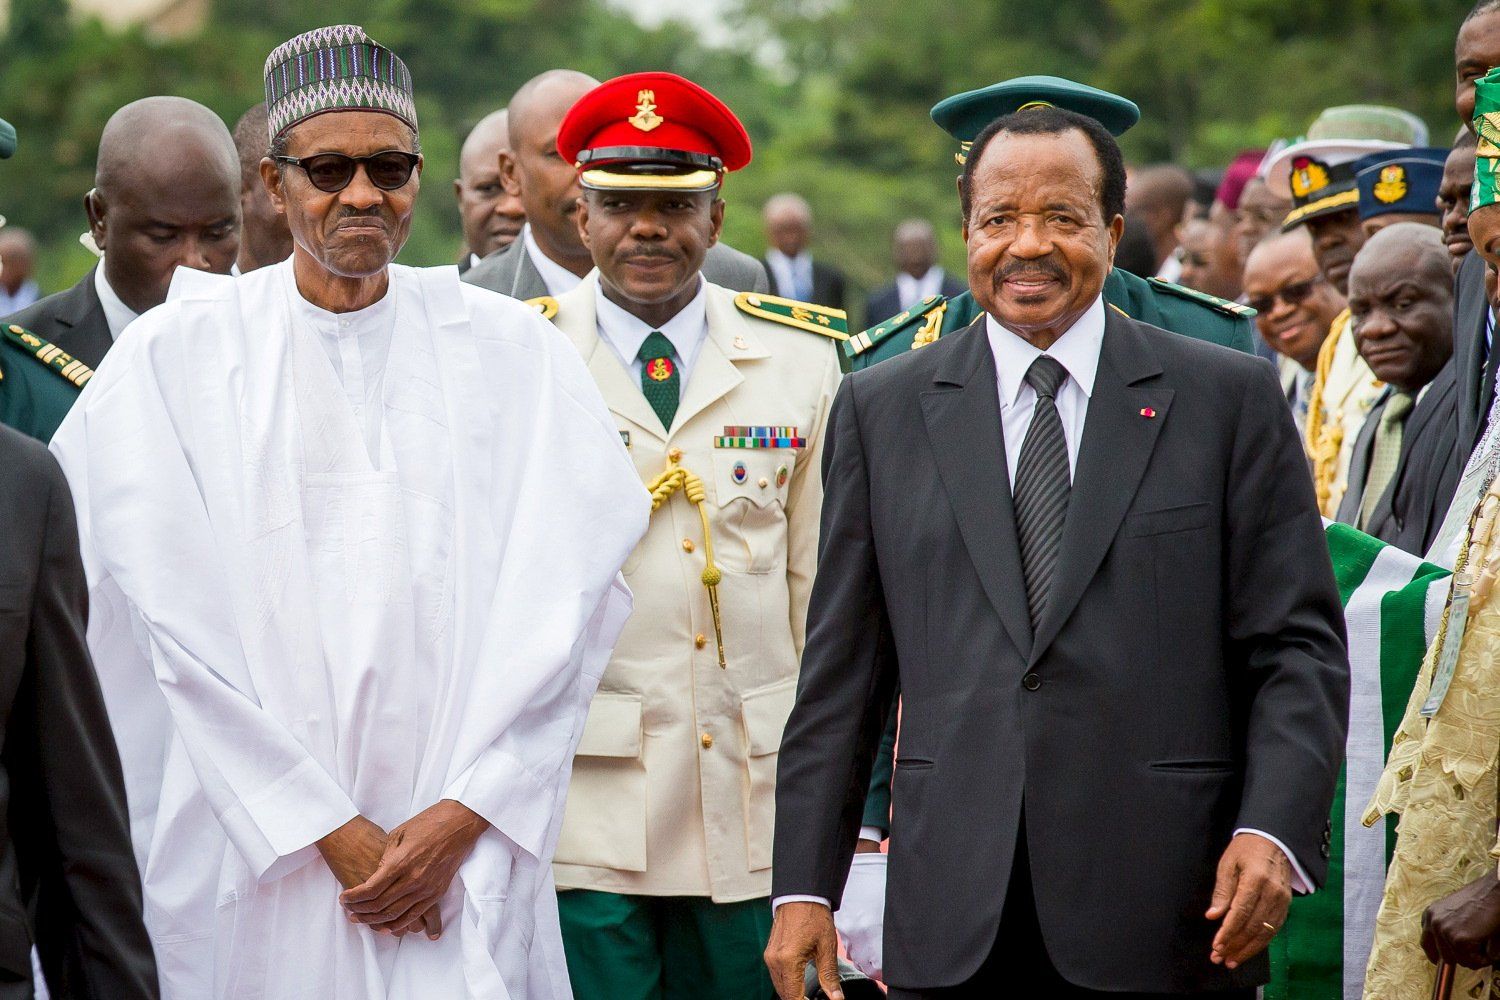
x: 706, y: 15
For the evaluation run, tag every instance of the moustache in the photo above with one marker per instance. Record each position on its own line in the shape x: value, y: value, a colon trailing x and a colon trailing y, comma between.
x: 1031, y: 269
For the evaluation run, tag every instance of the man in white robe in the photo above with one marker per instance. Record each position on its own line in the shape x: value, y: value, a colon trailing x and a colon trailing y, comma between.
x: 353, y: 533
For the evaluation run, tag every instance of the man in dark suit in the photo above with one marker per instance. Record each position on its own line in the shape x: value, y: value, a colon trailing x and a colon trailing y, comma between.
x: 795, y: 273
x: 918, y: 274
x: 166, y: 195
x: 1124, y: 716
x: 549, y: 257
x: 68, y: 879
x: 1402, y: 475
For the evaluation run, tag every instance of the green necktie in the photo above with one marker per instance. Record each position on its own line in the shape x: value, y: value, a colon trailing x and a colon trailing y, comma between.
x: 1386, y: 452
x: 659, y: 379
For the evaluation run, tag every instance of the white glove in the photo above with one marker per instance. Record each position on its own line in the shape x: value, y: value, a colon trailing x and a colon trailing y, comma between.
x: 861, y: 915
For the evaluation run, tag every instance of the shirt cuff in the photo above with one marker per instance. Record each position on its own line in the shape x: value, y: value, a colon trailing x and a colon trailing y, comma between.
x: 776, y: 903
x: 1301, y: 884
x: 874, y: 833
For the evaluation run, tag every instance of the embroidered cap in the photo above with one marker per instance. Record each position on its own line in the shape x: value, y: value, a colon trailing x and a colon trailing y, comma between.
x: 337, y: 68
x: 1486, y: 189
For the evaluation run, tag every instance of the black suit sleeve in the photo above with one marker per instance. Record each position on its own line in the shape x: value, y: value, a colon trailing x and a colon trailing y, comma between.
x: 847, y: 681
x: 68, y: 783
x: 1285, y: 629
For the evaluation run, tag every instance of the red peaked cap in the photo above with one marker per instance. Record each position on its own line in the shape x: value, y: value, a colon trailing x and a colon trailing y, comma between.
x: 653, y: 118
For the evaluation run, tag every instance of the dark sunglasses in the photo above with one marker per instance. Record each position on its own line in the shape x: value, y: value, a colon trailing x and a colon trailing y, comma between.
x: 1292, y: 295
x: 331, y: 172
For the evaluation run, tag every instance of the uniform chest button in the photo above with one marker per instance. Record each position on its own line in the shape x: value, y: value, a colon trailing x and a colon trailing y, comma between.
x: 1031, y: 682
x: 707, y: 741
x: 675, y: 454
x: 687, y: 545
x: 700, y: 640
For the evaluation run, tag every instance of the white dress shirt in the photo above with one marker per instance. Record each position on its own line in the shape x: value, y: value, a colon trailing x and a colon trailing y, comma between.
x: 25, y: 296
x: 358, y: 344
x: 911, y: 290
x: 116, y: 313
x: 557, y: 278
x: 791, y: 276
x: 1077, y: 350
x: 625, y: 333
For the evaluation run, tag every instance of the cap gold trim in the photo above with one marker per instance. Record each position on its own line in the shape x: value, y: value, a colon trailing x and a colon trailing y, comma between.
x: 1341, y: 200
x: 605, y: 180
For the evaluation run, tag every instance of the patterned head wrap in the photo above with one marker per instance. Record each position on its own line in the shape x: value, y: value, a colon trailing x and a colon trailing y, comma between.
x: 1487, y: 128
x: 338, y: 68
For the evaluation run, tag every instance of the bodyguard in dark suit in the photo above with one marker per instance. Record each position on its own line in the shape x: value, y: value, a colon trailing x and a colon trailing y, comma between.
x: 795, y: 273
x: 1105, y: 596
x: 918, y: 275
x: 68, y: 879
x: 1403, y: 474
x: 166, y: 195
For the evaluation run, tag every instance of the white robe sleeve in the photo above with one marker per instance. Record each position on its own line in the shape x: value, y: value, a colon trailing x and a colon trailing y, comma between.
x: 153, y: 531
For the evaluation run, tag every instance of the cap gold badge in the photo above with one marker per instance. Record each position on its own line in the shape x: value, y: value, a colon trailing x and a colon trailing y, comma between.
x: 645, y: 117
x: 1308, y: 176
x: 1392, y: 186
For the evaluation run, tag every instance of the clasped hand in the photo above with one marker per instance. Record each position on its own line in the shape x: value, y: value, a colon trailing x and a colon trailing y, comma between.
x: 394, y: 882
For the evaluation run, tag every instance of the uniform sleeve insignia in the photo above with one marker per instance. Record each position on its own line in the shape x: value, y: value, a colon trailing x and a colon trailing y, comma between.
x: 1213, y: 302
x: 544, y: 304
x: 789, y: 312
x: 54, y: 357
x: 922, y: 313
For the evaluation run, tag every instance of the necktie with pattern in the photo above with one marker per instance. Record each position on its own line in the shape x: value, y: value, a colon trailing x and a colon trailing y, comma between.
x: 1043, y: 485
x: 1385, y: 454
x: 659, y: 378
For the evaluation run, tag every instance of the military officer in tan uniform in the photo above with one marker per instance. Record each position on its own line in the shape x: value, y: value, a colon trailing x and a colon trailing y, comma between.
x: 664, y: 862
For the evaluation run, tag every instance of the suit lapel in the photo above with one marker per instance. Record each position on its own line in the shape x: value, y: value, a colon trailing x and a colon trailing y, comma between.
x: 1118, y: 439
x: 962, y: 413
x: 527, y: 283
x: 730, y: 338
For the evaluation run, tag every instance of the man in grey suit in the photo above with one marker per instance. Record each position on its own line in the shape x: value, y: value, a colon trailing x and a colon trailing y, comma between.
x: 1404, y: 470
x: 549, y: 258
x: 1104, y: 593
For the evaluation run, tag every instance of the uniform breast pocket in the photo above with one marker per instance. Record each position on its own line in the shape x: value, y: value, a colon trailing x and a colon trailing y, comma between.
x: 751, y: 486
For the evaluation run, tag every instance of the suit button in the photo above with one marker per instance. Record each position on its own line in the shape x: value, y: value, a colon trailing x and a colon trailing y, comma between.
x: 707, y: 741
x: 1031, y: 682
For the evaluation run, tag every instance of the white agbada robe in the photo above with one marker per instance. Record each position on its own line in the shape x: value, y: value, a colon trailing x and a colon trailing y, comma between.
x: 303, y: 613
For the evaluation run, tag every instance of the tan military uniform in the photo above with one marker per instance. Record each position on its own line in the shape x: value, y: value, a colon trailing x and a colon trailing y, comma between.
x: 1343, y: 394
x: 673, y: 789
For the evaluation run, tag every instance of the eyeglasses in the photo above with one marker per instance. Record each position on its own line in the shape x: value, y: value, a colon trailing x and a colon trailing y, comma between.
x: 388, y: 170
x: 1292, y: 295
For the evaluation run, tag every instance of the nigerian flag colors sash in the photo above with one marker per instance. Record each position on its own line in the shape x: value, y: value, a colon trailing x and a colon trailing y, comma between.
x: 1392, y: 603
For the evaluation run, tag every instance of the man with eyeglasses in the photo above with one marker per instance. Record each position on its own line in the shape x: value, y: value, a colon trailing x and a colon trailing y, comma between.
x: 166, y: 195
x: 1294, y: 307
x: 315, y: 500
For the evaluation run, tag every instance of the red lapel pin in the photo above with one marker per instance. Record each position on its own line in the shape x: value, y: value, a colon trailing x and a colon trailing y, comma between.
x: 1147, y: 412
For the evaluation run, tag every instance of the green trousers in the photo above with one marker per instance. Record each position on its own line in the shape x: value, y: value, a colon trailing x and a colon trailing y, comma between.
x: 664, y: 947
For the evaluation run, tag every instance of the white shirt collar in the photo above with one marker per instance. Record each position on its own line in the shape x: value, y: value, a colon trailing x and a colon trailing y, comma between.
x: 625, y: 332
x: 117, y: 315
x: 1077, y: 350
x: 557, y: 278
x: 912, y: 290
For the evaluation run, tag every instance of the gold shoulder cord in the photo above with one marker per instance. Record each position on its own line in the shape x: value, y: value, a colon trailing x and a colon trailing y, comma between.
x: 661, y: 489
x: 1324, y: 438
x: 931, y: 329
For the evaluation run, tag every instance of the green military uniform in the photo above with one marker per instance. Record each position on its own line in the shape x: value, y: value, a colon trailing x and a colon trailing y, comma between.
x: 1160, y: 303
x: 38, y: 381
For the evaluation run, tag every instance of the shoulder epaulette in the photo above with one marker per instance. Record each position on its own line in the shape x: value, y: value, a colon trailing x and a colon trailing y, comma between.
x: 54, y: 357
x: 789, y: 312
x: 1203, y: 298
x: 923, y: 312
x: 544, y: 304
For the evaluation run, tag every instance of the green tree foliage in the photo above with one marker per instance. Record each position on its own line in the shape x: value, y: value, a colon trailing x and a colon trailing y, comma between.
x: 835, y: 93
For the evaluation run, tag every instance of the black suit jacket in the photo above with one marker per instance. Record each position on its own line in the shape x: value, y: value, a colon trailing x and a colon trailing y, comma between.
x: 1427, y: 472
x: 72, y: 319
x: 68, y: 879
x: 828, y: 285
x: 1474, y: 368
x: 883, y: 303
x: 1188, y: 678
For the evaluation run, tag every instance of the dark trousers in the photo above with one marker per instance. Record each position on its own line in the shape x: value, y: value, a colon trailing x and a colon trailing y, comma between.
x: 1019, y: 968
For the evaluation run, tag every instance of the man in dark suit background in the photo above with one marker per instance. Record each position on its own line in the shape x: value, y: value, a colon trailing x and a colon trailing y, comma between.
x: 1124, y: 717
x: 166, y: 194
x: 795, y: 273
x: 1403, y: 474
x: 918, y: 273
x: 68, y: 878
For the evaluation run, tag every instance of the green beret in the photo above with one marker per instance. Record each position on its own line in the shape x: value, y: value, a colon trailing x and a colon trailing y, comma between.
x: 964, y: 116
x: 7, y: 139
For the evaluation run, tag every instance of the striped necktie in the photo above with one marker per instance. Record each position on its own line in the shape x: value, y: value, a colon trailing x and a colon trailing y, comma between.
x: 1043, y: 485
